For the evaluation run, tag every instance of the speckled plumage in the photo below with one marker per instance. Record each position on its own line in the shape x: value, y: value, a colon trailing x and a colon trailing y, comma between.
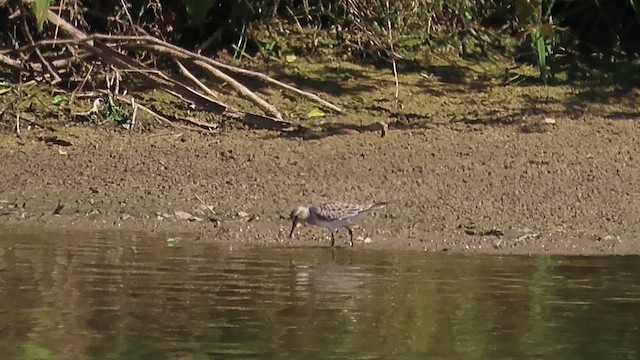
x: 332, y: 216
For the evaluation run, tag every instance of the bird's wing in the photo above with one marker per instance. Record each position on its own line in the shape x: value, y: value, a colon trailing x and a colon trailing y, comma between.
x: 340, y: 211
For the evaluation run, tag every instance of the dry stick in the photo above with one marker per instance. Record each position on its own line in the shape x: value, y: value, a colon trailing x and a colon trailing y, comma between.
x: 44, y: 42
x: 243, y: 90
x: 200, y: 84
x: 45, y: 63
x: 55, y: 32
x: 205, y: 127
x: 160, y: 117
x: 16, y: 64
x: 60, y: 64
x: 205, y: 205
x: 121, y: 61
x: 135, y: 112
x: 178, y: 51
x: 79, y: 88
x: 126, y: 11
x: 208, y: 42
x: 238, y: 87
x: 393, y: 59
x: 35, y: 123
x: 202, y: 124
x: 167, y: 48
x: 238, y: 70
x: 56, y: 77
x: 241, y: 51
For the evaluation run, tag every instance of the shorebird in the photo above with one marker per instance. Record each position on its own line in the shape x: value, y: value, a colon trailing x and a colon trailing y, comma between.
x: 332, y: 216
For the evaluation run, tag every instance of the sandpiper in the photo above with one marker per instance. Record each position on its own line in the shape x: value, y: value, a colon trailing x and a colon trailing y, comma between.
x: 332, y: 216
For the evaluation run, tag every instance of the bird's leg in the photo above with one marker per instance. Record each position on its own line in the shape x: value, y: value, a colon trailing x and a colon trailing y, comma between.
x: 350, y: 235
x: 333, y: 238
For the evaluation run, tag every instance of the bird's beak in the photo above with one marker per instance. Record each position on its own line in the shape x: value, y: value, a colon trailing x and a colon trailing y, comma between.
x: 293, y: 227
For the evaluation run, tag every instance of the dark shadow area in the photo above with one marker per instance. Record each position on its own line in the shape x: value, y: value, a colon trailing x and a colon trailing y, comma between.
x: 329, y: 79
x: 335, y: 129
x: 624, y: 115
x: 450, y: 74
x: 593, y: 94
x: 504, y: 120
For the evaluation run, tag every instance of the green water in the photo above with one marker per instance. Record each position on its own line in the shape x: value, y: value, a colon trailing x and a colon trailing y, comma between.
x: 128, y: 296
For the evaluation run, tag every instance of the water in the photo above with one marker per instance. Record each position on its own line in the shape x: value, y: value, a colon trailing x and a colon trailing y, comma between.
x: 131, y: 296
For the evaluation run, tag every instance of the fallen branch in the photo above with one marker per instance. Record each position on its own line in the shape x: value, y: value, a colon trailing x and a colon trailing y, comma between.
x: 189, y: 75
x: 265, y: 106
x: 45, y: 63
x: 203, y: 127
x: 151, y: 43
x: 156, y: 78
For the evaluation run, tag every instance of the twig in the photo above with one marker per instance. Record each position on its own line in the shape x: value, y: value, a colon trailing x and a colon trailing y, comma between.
x: 81, y: 86
x: 16, y: 64
x: 209, y: 41
x: 121, y: 61
x: 200, y: 84
x: 55, y: 32
x: 126, y: 11
x: 202, y: 124
x: 135, y: 112
x: 24, y: 117
x: 45, y: 63
x: 205, y: 205
x: 188, y: 54
x: 243, y: 53
x: 149, y: 111
x: 243, y: 90
x: 393, y: 61
x: 161, y: 46
x: 201, y: 127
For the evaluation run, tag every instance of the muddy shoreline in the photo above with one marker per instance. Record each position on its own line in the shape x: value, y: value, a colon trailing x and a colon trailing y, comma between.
x: 460, y: 188
x: 467, y: 166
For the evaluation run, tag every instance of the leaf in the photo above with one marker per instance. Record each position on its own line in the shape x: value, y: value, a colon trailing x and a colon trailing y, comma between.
x: 4, y: 90
x: 59, y: 99
x: 40, y: 9
x: 290, y: 58
x: 315, y: 112
x: 171, y: 241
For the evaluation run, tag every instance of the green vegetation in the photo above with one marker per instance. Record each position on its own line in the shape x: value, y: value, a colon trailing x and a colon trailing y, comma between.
x: 547, y: 33
x: 459, y: 42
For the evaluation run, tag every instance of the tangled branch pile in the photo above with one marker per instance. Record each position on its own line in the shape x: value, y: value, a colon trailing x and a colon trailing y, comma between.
x: 66, y: 54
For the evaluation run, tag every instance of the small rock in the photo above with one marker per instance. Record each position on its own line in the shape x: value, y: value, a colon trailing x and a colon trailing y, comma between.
x: 162, y: 215
x: 243, y: 214
x: 182, y: 215
x: 549, y: 121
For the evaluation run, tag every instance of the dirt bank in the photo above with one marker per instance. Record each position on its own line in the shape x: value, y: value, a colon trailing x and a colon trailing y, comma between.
x: 479, y: 170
